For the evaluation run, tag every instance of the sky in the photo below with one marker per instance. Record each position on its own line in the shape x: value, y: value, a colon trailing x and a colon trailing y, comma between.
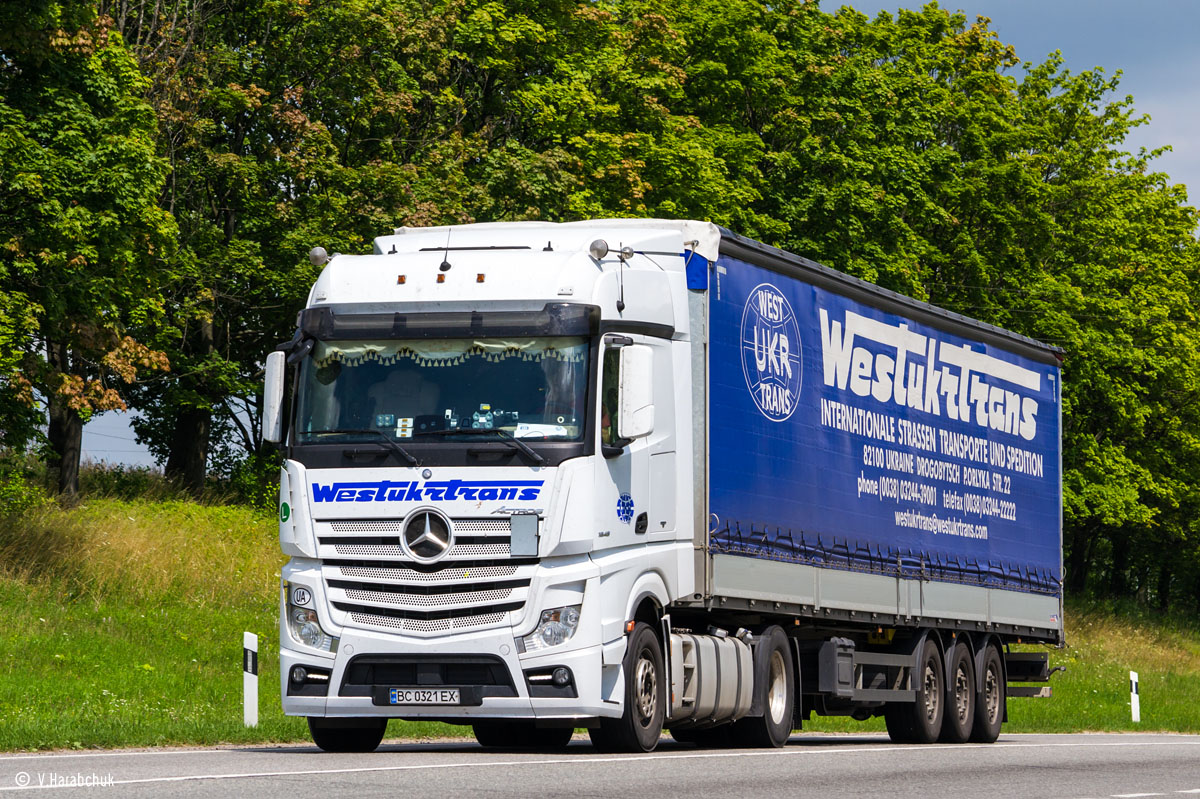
x: 1154, y: 43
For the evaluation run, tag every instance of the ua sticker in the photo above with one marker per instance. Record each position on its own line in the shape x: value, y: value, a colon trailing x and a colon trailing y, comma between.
x: 285, y: 512
x: 625, y: 508
x: 771, y: 359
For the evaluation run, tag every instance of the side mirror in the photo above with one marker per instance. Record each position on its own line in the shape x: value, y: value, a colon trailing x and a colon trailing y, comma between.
x: 636, y: 416
x: 272, y: 429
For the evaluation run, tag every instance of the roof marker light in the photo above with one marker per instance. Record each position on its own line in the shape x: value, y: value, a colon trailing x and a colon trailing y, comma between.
x: 441, y: 278
x: 479, y: 278
x: 400, y: 280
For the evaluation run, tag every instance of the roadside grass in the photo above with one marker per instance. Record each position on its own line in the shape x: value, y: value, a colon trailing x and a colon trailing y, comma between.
x: 123, y: 620
x: 123, y: 626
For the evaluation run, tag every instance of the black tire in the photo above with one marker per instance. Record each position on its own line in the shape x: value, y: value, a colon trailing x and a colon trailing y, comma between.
x: 775, y: 689
x: 928, y: 710
x: 347, y: 735
x: 520, y: 735
x: 989, y: 706
x: 720, y: 737
x: 959, y: 717
x: 898, y: 717
x: 640, y: 725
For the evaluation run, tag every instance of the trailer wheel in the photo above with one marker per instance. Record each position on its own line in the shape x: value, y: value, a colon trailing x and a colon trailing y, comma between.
x: 898, y: 717
x: 960, y: 697
x: 640, y: 725
x: 774, y: 686
x: 930, y: 705
x: 520, y: 735
x: 989, y: 709
x: 347, y: 735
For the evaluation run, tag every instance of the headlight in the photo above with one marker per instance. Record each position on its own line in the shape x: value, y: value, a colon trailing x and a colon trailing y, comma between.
x: 304, y: 624
x: 556, y: 626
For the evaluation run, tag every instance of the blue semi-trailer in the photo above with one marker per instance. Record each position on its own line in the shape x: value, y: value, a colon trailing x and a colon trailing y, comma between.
x: 636, y: 475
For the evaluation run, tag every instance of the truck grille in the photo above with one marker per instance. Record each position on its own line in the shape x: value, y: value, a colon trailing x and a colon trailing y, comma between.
x: 372, y: 582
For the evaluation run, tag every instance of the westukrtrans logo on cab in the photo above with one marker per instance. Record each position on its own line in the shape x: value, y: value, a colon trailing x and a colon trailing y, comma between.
x: 428, y: 491
x: 771, y: 359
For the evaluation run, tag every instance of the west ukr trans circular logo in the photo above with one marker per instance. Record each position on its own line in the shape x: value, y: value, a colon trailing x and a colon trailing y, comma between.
x: 771, y: 358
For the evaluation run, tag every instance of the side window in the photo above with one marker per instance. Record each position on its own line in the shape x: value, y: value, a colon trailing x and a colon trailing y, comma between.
x: 610, y: 375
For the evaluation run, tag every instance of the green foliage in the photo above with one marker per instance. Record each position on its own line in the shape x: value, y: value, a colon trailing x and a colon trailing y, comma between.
x: 915, y: 150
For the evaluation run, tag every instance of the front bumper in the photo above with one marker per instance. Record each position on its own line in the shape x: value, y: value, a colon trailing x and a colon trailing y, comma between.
x: 391, y: 653
x: 584, y: 663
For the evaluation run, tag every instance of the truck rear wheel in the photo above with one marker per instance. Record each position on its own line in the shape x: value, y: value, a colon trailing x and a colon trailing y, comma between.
x: 960, y: 697
x: 989, y: 709
x: 774, y: 687
x: 347, y: 735
x: 640, y: 725
x: 520, y: 735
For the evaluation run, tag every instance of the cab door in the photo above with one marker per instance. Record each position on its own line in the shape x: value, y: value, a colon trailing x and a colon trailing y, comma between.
x: 623, y: 471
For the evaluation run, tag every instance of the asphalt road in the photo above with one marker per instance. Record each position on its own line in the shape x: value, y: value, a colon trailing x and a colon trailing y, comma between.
x: 1052, y: 766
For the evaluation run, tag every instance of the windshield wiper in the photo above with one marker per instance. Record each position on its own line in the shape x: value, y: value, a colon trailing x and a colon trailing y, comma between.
x: 506, y: 436
x: 390, y: 442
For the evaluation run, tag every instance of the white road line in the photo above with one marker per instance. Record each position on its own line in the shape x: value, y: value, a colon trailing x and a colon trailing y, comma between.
x: 1134, y: 795
x: 1191, y: 790
x: 607, y: 759
x: 123, y: 753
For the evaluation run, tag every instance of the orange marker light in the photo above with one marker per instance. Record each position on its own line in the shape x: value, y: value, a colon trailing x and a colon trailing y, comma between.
x: 400, y: 280
x: 479, y: 278
x: 441, y: 278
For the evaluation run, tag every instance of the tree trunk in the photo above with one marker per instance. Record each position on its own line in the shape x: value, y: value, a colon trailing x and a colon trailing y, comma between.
x: 1118, y: 583
x: 187, y: 462
x: 65, y: 429
x: 1079, y: 562
x: 188, y: 459
x: 1164, y: 587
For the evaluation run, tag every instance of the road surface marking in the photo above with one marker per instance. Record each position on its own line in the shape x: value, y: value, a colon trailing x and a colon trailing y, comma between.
x: 604, y: 759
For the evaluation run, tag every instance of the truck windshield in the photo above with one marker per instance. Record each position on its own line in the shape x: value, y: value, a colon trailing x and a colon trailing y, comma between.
x: 531, y: 388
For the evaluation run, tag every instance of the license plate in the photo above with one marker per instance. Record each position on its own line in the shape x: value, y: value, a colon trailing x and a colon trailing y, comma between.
x: 424, y: 696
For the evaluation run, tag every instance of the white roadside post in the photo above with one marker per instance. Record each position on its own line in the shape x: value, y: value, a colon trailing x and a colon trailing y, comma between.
x: 1135, y: 704
x: 250, y: 679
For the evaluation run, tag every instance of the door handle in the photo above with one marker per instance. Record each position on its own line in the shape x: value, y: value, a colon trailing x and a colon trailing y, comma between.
x: 640, y: 525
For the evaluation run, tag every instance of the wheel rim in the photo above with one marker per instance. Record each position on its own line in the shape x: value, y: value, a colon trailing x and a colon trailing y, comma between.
x: 777, y: 688
x: 931, y: 690
x: 991, y: 694
x: 962, y: 692
x: 646, y: 689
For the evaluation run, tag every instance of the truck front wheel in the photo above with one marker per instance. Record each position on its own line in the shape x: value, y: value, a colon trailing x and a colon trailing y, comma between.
x: 640, y: 725
x: 347, y: 735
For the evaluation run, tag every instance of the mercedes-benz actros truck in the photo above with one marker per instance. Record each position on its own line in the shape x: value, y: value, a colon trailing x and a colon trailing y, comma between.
x: 636, y: 475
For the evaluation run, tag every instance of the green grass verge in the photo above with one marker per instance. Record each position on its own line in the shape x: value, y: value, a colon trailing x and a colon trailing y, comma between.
x: 124, y: 620
x: 123, y: 627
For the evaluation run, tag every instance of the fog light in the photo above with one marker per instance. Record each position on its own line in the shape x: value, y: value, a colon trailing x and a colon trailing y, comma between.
x: 299, y: 674
x: 561, y: 676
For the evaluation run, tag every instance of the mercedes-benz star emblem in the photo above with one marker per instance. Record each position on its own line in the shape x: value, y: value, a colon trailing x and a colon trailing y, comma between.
x: 427, y: 535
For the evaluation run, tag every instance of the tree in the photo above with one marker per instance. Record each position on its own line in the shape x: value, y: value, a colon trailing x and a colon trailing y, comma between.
x: 83, y: 235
